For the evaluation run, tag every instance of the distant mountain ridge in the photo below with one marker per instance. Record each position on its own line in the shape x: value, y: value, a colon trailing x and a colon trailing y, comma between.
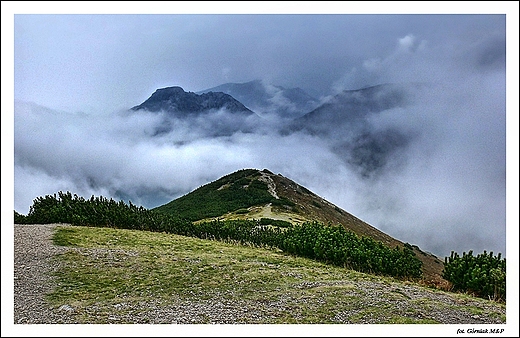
x: 182, y: 103
x: 343, y: 120
x: 211, y: 114
x: 269, y: 99
x: 257, y: 194
x: 347, y: 106
x: 352, y: 106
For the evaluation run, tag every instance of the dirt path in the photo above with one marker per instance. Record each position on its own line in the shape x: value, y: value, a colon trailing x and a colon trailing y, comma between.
x: 33, y: 252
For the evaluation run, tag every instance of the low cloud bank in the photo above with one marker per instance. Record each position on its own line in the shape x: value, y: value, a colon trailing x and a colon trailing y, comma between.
x: 443, y: 190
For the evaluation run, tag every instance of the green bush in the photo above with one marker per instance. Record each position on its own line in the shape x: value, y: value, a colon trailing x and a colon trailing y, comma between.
x: 330, y: 244
x: 19, y: 218
x: 483, y: 275
x: 338, y: 246
x: 99, y: 212
x: 276, y: 222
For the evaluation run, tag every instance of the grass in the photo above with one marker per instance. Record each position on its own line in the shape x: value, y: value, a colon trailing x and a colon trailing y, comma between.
x: 113, y: 268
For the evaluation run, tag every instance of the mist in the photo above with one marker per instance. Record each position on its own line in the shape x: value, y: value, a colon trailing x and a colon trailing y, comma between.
x: 444, y: 190
x: 441, y: 185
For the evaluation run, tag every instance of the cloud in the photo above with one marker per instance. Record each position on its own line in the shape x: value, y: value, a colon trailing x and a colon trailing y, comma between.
x: 443, y: 189
x: 408, y: 44
x: 450, y: 192
x: 444, y: 186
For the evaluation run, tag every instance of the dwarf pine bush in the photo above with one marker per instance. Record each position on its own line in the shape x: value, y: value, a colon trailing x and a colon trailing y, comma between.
x: 483, y: 275
x: 330, y: 244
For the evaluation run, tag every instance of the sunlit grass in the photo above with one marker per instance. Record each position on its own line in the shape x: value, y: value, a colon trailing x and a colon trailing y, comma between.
x: 108, y: 267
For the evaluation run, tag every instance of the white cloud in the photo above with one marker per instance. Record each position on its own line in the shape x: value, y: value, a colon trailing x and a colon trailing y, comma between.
x: 450, y: 177
x: 406, y: 43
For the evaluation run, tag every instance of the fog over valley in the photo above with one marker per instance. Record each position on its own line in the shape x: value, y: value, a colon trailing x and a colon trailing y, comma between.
x: 398, y: 119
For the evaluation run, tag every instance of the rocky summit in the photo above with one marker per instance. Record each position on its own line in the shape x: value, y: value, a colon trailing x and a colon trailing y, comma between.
x: 175, y: 100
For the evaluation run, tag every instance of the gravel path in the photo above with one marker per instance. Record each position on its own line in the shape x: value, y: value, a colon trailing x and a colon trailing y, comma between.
x: 33, y: 252
x: 33, y: 258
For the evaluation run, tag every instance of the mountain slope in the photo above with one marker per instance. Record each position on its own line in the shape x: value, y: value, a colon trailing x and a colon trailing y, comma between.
x: 352, y: 106
x: 255, y: 194
x: 350, y: 122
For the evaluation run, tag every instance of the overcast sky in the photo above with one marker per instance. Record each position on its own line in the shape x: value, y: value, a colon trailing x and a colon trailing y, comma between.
x: 73, y: 73
x: 102, y: 63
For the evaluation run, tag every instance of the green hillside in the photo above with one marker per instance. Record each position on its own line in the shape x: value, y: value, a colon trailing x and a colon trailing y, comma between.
x: 239, y: 190
x: 120, y: 276
x: 334, y: 244
x: 262, y: 195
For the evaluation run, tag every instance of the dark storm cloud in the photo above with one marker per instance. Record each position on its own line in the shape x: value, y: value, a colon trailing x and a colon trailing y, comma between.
x: 440, y: 179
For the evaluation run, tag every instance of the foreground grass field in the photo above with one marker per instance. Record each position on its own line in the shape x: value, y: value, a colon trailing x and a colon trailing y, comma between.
x: 126, y: 276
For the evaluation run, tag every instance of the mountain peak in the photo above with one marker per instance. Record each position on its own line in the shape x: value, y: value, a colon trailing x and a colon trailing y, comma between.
x: 175, y: 100
x: 168, y: 91
x: 261, y: 194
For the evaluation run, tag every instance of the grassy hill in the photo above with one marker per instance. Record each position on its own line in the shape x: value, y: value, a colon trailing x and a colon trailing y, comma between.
x: 231, y: 193
x: 129, y: 276
x: 257, y: 194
